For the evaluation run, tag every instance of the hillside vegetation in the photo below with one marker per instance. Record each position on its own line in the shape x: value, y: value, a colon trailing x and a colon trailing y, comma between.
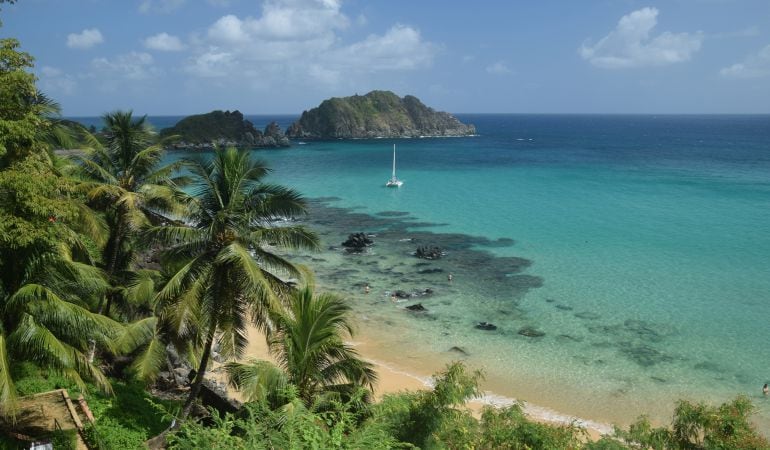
x: 223, y: 128
x: 376, y: 114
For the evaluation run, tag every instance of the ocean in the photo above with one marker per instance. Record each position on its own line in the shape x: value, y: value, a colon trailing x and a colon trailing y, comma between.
x: 624, y: 259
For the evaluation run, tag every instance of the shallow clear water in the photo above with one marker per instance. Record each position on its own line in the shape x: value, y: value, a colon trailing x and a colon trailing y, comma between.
x: 641, y: 248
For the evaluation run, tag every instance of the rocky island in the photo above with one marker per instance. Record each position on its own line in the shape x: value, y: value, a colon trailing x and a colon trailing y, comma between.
x: 223, y: 128
x: 376, y: 114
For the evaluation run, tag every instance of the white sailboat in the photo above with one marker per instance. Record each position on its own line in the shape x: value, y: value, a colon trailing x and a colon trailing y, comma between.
x: 394, y: 182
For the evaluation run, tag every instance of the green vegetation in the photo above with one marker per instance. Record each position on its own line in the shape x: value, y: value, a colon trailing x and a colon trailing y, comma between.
x: 223, y: 127
x: 376, y: 114
x: 125, y: 418
x: 306, y: 340
x: 226, y: 265
x: 106, y: 264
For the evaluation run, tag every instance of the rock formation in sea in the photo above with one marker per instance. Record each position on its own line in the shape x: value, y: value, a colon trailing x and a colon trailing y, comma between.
x: 223, y: 128
x: 376, y: 114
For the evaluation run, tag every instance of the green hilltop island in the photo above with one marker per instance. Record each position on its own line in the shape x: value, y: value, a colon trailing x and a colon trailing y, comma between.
x: 378, y: 114
x: 223, y: 128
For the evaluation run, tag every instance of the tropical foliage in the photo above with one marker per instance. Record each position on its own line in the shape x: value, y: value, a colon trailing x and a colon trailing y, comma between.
x: 228, y: 265
x: 126, y: 180
x: 307, y: 343
x: 70, y: 283
x: 47, y: 273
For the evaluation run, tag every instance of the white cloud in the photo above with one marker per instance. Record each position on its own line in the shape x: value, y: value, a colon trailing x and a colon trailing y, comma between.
x: 499, y: 68
x: 212, y: 63
x: 85, y: 39
x: 300, y: 41
x: 164, y: 42
x: 132, y: 66
x: 400, y: 48
x: 55, y: 82
x: 160, y: 6
x: 754, y: 66
x: 292, y: 20
x: 631, y: 45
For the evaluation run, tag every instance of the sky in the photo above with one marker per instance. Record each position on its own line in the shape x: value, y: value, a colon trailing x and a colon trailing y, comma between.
x: 178, y: 57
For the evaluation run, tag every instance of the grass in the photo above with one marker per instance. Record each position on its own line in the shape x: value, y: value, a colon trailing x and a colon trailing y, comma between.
x: 124, y: 420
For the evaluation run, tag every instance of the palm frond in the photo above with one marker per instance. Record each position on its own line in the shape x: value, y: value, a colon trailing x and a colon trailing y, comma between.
x: 96, y: 171
x: 134, y: 335
x: 271, y: 201
x: 72, y: 322
x: 291, y: 237
x: 238, y: 258
x: 257, y: 380
x: 186, y: 276
x: 8, y: 402
x: 150, y: 362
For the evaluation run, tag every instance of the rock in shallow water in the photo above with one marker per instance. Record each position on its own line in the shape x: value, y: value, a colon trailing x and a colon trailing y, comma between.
x: 486, y: 326
x: 459, y: 350
x: 531, y: 332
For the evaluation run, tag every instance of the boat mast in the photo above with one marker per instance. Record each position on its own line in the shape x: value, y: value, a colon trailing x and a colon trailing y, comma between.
x: 394, y: 161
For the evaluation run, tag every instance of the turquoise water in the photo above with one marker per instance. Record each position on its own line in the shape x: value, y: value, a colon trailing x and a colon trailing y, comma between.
x: 640, y: 247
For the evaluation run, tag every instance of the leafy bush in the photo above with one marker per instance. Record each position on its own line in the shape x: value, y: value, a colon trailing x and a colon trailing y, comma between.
x: 64, y: 439
x: 291, y: 426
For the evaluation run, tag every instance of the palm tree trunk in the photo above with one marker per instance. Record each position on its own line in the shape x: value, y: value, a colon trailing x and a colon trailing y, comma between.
x: 112, y: 262
x: 196, y: 386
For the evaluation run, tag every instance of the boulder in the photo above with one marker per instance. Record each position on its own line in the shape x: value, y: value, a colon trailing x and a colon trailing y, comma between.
x: 357, y: 242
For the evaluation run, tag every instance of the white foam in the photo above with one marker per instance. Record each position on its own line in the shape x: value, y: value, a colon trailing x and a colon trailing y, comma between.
x: 543, y: 413
x: 498, y: 401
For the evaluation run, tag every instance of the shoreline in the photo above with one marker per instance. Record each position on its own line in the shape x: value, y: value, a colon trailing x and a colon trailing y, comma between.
x: 394, y: 379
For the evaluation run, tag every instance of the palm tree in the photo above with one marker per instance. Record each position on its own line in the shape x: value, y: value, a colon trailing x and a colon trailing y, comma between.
x: 47, y: 278
x: 307, y: 343
x: 126, y: 179
x: 230, y: 265
x: 161, y: 327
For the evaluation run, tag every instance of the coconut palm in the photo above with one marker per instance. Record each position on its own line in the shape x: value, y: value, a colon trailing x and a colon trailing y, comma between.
x: 307, y: 344
x: 125, y: 178
x: 229, y: 261
x: 47, y: 279
x: 161, y: 328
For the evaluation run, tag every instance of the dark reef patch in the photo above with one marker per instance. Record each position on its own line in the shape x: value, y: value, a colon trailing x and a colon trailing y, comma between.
x: 392, y: 213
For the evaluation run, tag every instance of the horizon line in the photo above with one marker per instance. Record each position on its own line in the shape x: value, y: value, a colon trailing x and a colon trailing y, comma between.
x: 475, y: 113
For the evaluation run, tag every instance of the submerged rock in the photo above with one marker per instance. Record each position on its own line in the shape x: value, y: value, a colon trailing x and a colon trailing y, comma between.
x: 426, y: 252
x: 486, y: 326
x: 459, y: 350
x: 531, y: 332
x: 432, y: 270
x: 587, y: 315
x: 416, y: 308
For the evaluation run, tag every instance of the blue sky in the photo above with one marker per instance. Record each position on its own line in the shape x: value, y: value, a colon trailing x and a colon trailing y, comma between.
x: 282, y: 56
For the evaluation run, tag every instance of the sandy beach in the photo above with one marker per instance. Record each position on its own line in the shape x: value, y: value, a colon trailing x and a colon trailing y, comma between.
x: 394, y: 378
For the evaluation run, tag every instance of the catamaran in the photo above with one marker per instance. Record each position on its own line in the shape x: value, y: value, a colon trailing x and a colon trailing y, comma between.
x: 394, y: 182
